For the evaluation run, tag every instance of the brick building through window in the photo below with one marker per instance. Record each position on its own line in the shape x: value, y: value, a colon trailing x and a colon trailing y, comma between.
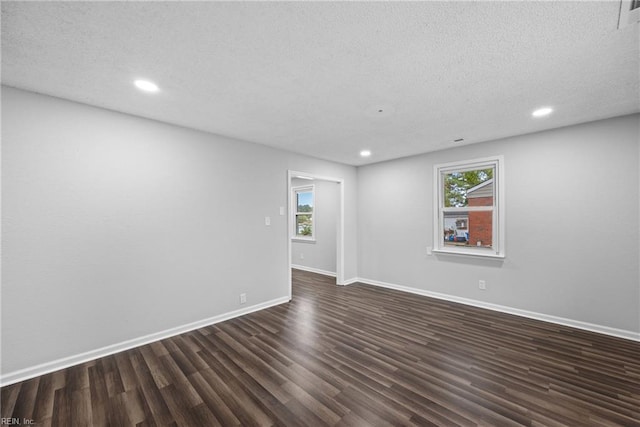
x: 481, y: 222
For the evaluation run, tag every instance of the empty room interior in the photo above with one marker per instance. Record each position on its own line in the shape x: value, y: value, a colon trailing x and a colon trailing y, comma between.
x: 320, y: 213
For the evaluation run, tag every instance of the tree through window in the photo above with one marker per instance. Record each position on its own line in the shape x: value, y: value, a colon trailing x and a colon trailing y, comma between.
x: 304, y: 203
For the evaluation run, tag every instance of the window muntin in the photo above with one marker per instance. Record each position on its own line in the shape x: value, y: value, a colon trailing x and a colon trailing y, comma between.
x: 469, y: 207
x: 304, y: 201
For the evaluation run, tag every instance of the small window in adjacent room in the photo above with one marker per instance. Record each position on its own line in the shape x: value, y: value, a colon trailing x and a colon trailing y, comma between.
x: 469, y: 207
x: 304, y: 201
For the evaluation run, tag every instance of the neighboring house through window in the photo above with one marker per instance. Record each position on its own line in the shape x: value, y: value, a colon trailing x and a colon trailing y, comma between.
x: 304, y: 200
x: 469, y: 207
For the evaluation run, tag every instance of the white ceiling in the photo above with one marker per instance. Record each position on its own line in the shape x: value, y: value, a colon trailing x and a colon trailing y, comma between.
x: 311, y: 77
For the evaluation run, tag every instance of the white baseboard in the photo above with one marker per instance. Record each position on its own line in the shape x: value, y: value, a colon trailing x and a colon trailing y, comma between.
x: 350, y: 281
x: 314, y: 270
x: 620, y: 333
x: 45, y: 368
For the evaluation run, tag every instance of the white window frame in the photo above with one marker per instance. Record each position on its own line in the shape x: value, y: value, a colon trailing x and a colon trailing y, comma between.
x: 498, y: 243
x: 294, y: 212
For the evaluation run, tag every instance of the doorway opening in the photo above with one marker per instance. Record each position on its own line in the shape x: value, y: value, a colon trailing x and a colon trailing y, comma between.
x: 317, y: 227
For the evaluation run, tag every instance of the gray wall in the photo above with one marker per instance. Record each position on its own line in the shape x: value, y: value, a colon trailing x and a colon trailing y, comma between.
x: 571, y: 225
x: 321, y: 253
x: 115, y: 227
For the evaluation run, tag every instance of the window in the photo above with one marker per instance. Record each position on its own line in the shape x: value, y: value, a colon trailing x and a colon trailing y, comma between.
x: 469, y: 207
x: 304, y: 200
x: 629, y: 13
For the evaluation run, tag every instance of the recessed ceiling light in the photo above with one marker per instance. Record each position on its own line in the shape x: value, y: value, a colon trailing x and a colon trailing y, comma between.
x: 541, y: 112
x: 365, y: 153
x: 146, y: 85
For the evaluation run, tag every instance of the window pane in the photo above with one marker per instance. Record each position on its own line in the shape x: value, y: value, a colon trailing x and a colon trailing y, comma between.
x: 460, y: 188
x: 304, y: 225
x: 305, y: 201
x: 456, y: 228
x: 481, y: 229
x: 468, y: 228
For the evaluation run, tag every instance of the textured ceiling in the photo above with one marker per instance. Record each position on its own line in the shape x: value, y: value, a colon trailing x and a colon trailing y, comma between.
x: 312, y: 77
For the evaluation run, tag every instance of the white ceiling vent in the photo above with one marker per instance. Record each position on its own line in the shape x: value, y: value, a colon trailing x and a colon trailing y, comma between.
x: 629, y: 13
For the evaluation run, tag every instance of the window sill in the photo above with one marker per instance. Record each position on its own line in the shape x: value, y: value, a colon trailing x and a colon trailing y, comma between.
x: 303, y: 240
x: 468, y: 253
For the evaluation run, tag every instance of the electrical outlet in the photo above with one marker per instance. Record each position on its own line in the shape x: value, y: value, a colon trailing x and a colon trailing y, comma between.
x: 429, y: 249
x: 243, y: 298
x: 301, y: 255
x: 267, y: 220
x: 281, y: 210
x: 482, y: 285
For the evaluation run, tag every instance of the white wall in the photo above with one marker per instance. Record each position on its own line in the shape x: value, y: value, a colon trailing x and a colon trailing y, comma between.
x: 571, y: 225
x: 320, y: 254
x: 116, y: 227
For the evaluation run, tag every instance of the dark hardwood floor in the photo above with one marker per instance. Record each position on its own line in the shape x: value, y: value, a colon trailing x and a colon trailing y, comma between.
x: 355, y: 355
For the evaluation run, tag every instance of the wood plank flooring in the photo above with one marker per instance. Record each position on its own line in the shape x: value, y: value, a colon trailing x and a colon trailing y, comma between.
x: 350, y: 356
